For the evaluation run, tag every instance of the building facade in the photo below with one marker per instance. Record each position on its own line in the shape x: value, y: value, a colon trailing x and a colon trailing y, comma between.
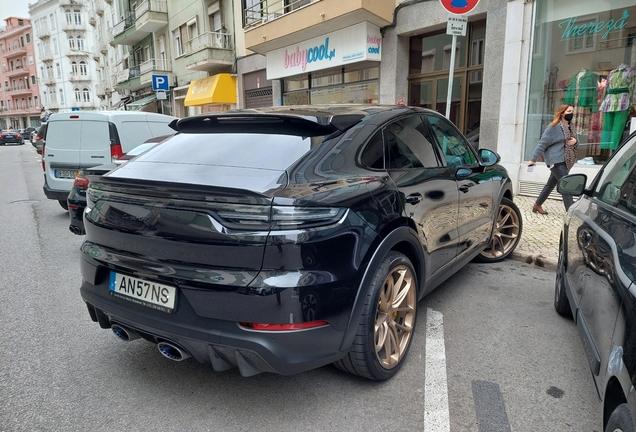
x: 64, y: 60
x: 19, y: 90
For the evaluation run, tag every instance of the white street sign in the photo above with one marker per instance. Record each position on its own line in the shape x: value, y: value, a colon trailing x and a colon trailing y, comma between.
x: 456, y: 25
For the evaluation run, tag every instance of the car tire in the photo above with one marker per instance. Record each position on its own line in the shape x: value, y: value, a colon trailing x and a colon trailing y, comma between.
x: 386, y: 327
x: 620, y: 420
x: 561, y: 302
x: 64, y: 204
x: 506, y: 234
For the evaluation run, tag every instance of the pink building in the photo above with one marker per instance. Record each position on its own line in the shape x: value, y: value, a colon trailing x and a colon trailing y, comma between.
x: 20, y: 105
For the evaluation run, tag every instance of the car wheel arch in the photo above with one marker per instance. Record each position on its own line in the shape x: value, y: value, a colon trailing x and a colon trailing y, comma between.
x: 402, y: 239
x: 614, y: 396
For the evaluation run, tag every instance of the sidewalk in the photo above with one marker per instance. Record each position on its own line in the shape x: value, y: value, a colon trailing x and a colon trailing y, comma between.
x: 539, y: 244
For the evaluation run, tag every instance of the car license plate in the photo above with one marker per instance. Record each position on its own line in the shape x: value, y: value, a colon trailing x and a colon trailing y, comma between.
x: 66, y: 174
x: 146, y: 293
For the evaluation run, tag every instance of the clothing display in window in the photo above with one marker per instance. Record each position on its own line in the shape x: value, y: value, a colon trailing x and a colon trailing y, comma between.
x: 582, y: 95
x: 596, y: 122
x: 619, y: 97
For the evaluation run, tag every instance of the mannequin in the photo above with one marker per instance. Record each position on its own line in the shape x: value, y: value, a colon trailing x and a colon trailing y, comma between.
x: 619, y: 98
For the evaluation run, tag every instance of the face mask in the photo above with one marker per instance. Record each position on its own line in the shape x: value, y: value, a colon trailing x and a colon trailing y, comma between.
x: 568, y: 117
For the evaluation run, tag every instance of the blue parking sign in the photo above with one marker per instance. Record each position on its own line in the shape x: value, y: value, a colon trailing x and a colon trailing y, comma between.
x: 160, y: 82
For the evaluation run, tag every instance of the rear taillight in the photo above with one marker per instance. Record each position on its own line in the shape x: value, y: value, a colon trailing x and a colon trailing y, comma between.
x: 43, y: 164
x: 115, y: 152
x: 17, y: 135
x: 284, y: 327
x: 80, y: 181
x: 38, y: 137
x: 248, y: 217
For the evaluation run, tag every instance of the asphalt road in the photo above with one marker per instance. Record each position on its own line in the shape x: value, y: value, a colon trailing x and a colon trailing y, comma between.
x: 490, y: 353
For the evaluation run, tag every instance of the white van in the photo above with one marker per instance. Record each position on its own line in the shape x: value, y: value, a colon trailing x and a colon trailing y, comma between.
x: 83, y: 139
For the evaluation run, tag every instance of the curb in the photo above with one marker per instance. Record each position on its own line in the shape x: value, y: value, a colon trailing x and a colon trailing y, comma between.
x: 545, y: 263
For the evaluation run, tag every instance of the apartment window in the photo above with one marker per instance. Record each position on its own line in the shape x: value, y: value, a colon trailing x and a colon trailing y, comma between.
x: 58, y: 70
x: 77, y: 15
x: 73, y: 68
x: 78, y: 95
x: 30, y: 59
x: 9, y: 104
x: 178, y: 49
x: 253, y: 12
x: 192, y: 29
x: 24, y: 103
x: 71, y: 42
x: 27, y: 83
x: 36, y: 101
x: 30, y: 102
x: 54, y: 46
x: 80, y: 43
x: 22, y: 41
x: 83, y: 68
x: 52, y: 21
x: 32, y: 79
x: 146, y: 53
x: 86, y: 94
x: 214, y: 17
x: 69, y: 16
x: 61, y: 96
x: 28, y: 37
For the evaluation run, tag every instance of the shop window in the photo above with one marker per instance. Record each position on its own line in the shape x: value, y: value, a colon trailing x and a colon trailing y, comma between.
x: 447, y: 56
x: 428, y: 61
x: 477, y: 52
x: 573, y: 56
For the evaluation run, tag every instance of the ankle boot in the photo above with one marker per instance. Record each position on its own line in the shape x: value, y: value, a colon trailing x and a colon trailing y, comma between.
x: 537, y: 209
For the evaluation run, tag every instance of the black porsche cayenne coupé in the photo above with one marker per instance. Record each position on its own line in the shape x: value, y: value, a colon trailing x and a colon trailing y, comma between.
x: 284, y: 239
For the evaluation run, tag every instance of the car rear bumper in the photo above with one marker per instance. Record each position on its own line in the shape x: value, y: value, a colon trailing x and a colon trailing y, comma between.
x: 223, y: 344
x: 54, y: 194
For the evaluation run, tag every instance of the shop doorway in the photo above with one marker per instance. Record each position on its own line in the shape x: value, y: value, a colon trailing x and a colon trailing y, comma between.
x: 429, y: 72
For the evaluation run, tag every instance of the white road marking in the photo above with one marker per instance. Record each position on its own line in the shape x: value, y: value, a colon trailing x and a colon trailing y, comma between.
x: 436, y: 414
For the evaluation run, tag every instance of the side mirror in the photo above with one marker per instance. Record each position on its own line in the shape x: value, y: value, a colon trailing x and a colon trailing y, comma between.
x: 488, y: 158
x: 573, y: 184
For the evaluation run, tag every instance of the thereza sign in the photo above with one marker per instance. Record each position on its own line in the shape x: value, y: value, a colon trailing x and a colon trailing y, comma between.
x: 353, y: 44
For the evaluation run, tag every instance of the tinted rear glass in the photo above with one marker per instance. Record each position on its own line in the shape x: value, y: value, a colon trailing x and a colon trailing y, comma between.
x: 266, y: 151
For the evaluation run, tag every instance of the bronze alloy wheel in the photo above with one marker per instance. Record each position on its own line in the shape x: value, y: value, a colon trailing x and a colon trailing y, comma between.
x: 395, y: 316
x: 506, y: 234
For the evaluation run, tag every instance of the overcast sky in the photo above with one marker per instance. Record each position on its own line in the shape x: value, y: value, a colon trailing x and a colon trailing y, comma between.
x: 14, y: 8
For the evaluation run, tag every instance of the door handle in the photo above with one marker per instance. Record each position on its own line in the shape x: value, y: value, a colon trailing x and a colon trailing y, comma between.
x: 413, y: 198
x: 464, y: 188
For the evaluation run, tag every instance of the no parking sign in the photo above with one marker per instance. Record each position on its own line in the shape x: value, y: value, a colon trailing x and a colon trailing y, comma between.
x: 459, y: 7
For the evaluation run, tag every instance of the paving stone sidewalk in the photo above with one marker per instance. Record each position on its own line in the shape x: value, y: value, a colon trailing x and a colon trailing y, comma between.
x: 539, y: 244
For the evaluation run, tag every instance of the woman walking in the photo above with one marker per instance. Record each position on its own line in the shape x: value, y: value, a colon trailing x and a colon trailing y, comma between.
x: 559, y: 147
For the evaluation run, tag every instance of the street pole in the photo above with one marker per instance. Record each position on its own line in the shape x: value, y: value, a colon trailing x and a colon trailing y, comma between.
x: 449, y: 95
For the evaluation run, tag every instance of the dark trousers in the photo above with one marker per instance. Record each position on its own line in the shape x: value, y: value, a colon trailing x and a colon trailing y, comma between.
x: 556, y: 173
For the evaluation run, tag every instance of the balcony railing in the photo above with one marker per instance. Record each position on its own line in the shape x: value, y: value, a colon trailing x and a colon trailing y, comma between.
x: 73, y: 27
x: 267, y: 10
x: 71, y: 2
x: 17, y: 71
x: 215, y: 40
x: 49, y: 81
x: 12, y: 52
x: 43, y: 33
x: 152, y: 6
x: 154, y: 65
x: 46, y: 56
x: 79, y: 77
x: 124, y: 24
x: 128, y: 74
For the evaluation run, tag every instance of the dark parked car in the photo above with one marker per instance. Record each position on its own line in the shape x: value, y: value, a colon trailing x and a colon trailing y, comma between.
x: 596, y: 278
x: 39, y: 139
x: 284, y: 239
x: 76, y: 200
x: 28, y: 132
x: 11, y: 136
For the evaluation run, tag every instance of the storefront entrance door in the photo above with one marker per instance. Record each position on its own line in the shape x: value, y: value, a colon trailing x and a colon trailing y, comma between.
x: 432, y: 93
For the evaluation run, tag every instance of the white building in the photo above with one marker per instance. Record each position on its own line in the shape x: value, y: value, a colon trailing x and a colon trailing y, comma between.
x: 64, y: 53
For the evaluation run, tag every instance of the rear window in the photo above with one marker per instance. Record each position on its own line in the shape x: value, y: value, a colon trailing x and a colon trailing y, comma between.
x: 265, y: 151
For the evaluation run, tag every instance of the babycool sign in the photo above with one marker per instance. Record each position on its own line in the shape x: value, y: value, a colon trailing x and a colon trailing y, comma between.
x: 350, y: 45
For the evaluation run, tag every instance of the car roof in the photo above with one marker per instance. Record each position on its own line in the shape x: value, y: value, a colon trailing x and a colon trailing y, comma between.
x: 307, y: 120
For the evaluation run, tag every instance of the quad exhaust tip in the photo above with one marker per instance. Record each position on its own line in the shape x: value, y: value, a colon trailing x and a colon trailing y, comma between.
x: 172, y: 352
x: 123, y: 333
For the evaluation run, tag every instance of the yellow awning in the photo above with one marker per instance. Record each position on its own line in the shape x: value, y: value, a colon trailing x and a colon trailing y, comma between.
x: 217, y: 89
